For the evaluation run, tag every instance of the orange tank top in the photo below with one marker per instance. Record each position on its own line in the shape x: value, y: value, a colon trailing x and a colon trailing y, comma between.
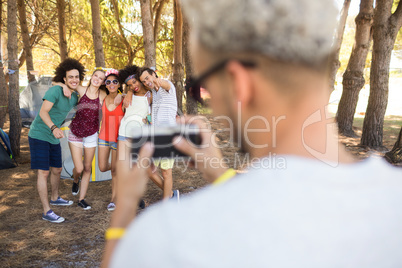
x: 110, y: 123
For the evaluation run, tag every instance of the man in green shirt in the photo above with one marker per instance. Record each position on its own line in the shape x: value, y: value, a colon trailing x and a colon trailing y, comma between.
x: 45, y: 134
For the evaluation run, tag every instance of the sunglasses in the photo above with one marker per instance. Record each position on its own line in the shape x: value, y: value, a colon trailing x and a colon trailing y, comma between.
x: 195, y: 83
x: 115, y: 82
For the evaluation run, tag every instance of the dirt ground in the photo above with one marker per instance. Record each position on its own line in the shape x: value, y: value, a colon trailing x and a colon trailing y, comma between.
x: 28, y: 241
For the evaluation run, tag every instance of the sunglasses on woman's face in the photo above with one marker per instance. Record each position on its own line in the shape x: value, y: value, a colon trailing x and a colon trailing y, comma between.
x: 115, y: 82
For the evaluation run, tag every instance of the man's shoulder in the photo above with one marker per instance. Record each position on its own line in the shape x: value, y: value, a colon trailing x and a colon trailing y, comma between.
x: 172, y: 88
x: 55, y: 88
x: 54, y: 91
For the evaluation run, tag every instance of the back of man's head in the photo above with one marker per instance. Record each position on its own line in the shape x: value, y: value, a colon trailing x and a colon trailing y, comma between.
x: 68, y: 65
x: 291, y: 31
x: 265, y: 59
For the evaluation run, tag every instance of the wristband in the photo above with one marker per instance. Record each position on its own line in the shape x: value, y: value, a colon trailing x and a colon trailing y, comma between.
x: 52, y: 128
x: 114, y: 233
x: 230, y: 173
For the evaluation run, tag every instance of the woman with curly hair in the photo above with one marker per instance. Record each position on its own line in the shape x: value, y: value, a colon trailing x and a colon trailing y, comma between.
x: 139, y: 101
x: 83, y: 134
x: 45, y: 134
x: 107, y: 141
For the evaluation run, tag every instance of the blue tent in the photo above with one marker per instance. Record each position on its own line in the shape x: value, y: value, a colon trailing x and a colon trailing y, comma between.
x: 6, y: 155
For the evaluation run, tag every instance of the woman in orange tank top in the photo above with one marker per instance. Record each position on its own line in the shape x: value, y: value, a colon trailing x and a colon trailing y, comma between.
x: 107, y: 141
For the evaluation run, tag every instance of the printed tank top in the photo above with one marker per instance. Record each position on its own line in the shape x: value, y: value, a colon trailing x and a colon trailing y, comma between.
x: 86, y: 120
x: 110, y: 122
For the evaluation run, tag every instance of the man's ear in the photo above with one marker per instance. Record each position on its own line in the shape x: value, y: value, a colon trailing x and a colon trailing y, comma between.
x: 243, y: 83
x: 64, y: 80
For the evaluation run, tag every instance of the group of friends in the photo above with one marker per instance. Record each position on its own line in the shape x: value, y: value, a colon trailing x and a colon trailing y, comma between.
x: 105, y: 115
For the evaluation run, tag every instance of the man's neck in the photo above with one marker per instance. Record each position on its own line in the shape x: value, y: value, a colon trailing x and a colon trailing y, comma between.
x: 305, y: 129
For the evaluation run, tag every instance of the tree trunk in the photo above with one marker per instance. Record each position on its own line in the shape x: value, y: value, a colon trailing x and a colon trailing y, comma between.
x: 4, y: 51
x: 178, y: 53
x: 97, y: 34
x: 353, y: 78
x: 158, y: 13
x: 61, y: 6
x: 3, y: 84
x: 13, y: 103
x: 25, y: 40
x: 385, y: 29
x: 148, y: 34
x: 395, y: 155
x: 335, y: 64
x: 191, y: 103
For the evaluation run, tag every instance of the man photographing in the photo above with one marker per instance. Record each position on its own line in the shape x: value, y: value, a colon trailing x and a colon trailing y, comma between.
x: 264, y: 64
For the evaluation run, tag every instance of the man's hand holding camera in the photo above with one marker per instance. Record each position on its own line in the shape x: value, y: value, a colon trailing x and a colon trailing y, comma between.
x: 207, y: 158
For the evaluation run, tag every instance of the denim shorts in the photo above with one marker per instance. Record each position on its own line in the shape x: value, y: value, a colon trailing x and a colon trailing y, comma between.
x: 110, y: 144
x: 44, y: 154
x: 121, y: 138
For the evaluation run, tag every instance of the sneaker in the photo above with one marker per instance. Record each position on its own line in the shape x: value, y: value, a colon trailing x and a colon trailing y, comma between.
x: 52, y: 217
x: 111, y: 206
x: 176, y: 196
x: 76, y: 189
x: 84, y: 205
x: 61, y: 202
x: 141, y: 204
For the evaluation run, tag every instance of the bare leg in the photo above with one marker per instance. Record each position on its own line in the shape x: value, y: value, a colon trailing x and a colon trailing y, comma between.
x: 76, y: 155
x: 55, y: 181
x: 122, y: 146
x: 155, y: 177
x: 89, y: 154
x: 42, y: 189
x: 113, y: 169
x: 103, y: 158
x: 168, y: 183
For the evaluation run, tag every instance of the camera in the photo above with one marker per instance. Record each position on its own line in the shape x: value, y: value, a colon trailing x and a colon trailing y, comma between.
x: 162, y: 138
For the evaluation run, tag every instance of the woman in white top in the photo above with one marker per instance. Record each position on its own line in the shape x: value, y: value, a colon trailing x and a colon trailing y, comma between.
x: 135, y: 115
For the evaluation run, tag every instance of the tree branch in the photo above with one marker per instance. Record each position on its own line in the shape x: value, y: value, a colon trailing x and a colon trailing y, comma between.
x: 397, y: 16
x: 158, y: 14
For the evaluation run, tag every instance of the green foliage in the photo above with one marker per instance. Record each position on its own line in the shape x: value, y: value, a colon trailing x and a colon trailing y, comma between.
x: 79, y: 35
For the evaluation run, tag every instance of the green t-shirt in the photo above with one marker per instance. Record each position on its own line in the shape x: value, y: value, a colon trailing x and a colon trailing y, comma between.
x: 61, y: 106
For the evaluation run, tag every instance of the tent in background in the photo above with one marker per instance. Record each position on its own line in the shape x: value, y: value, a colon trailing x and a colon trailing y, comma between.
x: 30, y: 103
x: 6, y: 155
x: 31, y: 99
